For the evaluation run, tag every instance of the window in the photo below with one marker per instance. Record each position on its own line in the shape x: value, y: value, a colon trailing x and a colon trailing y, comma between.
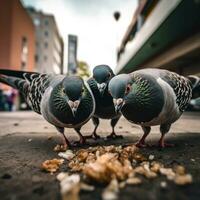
x: 24, y: 39
x: 23, y: 65
x: 46, y: 45
x: 37, y: 44
x: 36, y: 58
x: 46, y: 22
x: 45, y: 58
x: 36, y: 21
x: 24, y: 52
x: 46, y: 33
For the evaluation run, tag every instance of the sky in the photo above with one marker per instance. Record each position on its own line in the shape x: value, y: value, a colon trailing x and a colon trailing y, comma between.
x: 92, y: 21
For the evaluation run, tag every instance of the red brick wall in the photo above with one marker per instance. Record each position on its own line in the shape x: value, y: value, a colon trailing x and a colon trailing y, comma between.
x: 17, y: 24
x: 5, y: 33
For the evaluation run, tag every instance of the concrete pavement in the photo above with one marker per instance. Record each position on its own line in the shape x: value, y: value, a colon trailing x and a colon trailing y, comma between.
x: 26, y: 140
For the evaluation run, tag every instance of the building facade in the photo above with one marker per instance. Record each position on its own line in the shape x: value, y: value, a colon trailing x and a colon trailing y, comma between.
x: 17, y: 46
x: 72, y: 54
x: 49, y: 44
x: 17, y: 37
x: 162, y: 34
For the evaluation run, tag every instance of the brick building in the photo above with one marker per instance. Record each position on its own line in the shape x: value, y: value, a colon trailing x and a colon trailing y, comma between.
x: 17, y: 41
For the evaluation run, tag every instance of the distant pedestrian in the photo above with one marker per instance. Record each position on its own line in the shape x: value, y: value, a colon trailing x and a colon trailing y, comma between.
x: 10, y: 98
x: 2, y: 101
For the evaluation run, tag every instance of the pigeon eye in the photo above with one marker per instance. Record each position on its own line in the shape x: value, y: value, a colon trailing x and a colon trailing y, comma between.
x: 63, y: 91
x: 128, y: 89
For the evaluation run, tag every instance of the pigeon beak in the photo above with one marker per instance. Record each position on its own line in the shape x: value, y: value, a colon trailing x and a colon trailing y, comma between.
x: 74, y: 106
x: 118, y: 103
x: 101, y: 88
x: 74, y: 110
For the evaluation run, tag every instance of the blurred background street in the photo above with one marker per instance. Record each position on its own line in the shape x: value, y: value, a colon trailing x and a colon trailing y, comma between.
x: 72, y: 37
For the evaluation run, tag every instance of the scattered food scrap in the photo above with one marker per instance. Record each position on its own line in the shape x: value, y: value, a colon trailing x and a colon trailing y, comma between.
x: 69, y: 186
x: 111, y: 191
x: 133, y: 181
x: 168, y: 172
x: 52, y: 165
x: 117, y: 166
x: 105, y: 163
x: 68, y: 155
x: 86, y: 187
x: 151, y: 157
x: 183, y: 179
x: 163, y: 184
x: 59, y: 148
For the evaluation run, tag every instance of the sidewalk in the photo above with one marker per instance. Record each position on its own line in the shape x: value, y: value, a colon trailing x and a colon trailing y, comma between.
x: 25, y: 144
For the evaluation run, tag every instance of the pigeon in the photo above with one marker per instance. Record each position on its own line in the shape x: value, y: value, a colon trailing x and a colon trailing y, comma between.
x: 63, y: 101
x: 105, y: 109
x: 151, y: 97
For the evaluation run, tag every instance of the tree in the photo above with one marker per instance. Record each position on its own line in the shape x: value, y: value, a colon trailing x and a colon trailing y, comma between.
x: 83, y: 69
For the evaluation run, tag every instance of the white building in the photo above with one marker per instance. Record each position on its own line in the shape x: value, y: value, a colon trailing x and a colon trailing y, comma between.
x: 49, y: 44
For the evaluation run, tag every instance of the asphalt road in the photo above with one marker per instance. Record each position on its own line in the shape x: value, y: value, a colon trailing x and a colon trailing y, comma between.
x: 25, y: 144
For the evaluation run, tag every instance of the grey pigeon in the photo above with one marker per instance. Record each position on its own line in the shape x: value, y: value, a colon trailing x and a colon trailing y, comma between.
x: 150, y: 97
x: 64, y: 101
x: 105, y: 109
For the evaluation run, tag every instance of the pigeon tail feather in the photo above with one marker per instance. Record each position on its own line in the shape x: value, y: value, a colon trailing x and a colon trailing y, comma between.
x: 15, y: 73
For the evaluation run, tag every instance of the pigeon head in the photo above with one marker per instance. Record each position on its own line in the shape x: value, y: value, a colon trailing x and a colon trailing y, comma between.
x: 102, y: 74
x: 73, y: 89
x: 119, y: 88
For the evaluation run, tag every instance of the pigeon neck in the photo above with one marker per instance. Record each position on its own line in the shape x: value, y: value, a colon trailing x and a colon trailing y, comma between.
x: 140, y: 94
x: 58, y: 101
x: 144, y: 102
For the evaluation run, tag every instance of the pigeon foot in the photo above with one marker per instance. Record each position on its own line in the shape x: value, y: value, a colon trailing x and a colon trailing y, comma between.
x: 92, y: 136
x: 80, y: 142
x: 141, y: 144
x: 163, y: 144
